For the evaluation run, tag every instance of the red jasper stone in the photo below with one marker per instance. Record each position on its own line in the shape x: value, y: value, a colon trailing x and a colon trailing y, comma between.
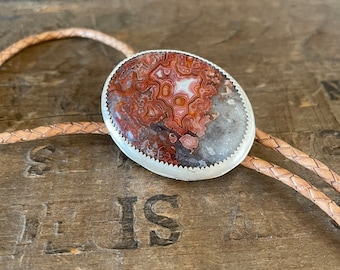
x: 175, y: 108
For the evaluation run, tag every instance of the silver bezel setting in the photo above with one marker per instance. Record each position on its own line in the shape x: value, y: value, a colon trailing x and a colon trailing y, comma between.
x: 174, y: 171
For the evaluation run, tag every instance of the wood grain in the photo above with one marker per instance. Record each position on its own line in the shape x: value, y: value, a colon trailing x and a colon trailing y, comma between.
x: 75, y: 202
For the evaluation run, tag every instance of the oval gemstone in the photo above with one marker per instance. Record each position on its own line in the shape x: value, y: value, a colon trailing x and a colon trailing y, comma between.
x: 178, y: 115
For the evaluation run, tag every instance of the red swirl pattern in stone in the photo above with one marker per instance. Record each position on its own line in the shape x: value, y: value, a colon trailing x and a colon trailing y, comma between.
x: 161, y: 102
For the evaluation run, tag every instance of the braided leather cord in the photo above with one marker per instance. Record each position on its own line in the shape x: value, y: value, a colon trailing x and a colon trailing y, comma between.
x: 61, y: 128
x: 259, y: 165
x: 61, y: 34
x: 295, y: 182
x: 299, y: 157
x: 43, y: 132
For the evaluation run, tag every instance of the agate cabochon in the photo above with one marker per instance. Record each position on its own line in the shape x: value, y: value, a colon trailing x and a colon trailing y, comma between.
x: 178, y: 115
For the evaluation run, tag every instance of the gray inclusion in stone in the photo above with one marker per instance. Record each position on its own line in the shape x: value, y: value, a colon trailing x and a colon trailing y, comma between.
x: 225, y: 134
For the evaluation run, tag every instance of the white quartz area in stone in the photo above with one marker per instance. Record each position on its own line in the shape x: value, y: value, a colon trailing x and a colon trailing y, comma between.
x: 225, y: 134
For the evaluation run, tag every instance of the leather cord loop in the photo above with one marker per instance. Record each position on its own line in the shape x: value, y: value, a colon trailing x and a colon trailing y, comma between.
x: 254, y: 163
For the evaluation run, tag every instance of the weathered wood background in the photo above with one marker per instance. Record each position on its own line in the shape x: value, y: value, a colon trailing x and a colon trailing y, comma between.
x: 75, y: 202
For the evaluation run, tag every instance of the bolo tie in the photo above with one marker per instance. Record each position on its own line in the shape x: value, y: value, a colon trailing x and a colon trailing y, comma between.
x: 180, y: 116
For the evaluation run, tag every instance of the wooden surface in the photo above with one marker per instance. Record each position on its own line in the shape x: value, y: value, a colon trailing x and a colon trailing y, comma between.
x: 75, y: 202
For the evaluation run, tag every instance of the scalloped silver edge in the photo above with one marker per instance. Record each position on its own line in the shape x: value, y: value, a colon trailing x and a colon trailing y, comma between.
x: 174, y: 171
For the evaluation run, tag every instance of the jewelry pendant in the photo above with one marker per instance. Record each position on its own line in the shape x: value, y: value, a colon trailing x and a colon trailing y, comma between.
x: 178, y: 115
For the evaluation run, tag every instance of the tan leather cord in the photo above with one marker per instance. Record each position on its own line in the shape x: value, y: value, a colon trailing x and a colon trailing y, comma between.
x: 65, y: 33
x: 62, y: 128
x: 259, y: 165
x: 44, y: 132
x: 295, y: 182
x: 299, y: 157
